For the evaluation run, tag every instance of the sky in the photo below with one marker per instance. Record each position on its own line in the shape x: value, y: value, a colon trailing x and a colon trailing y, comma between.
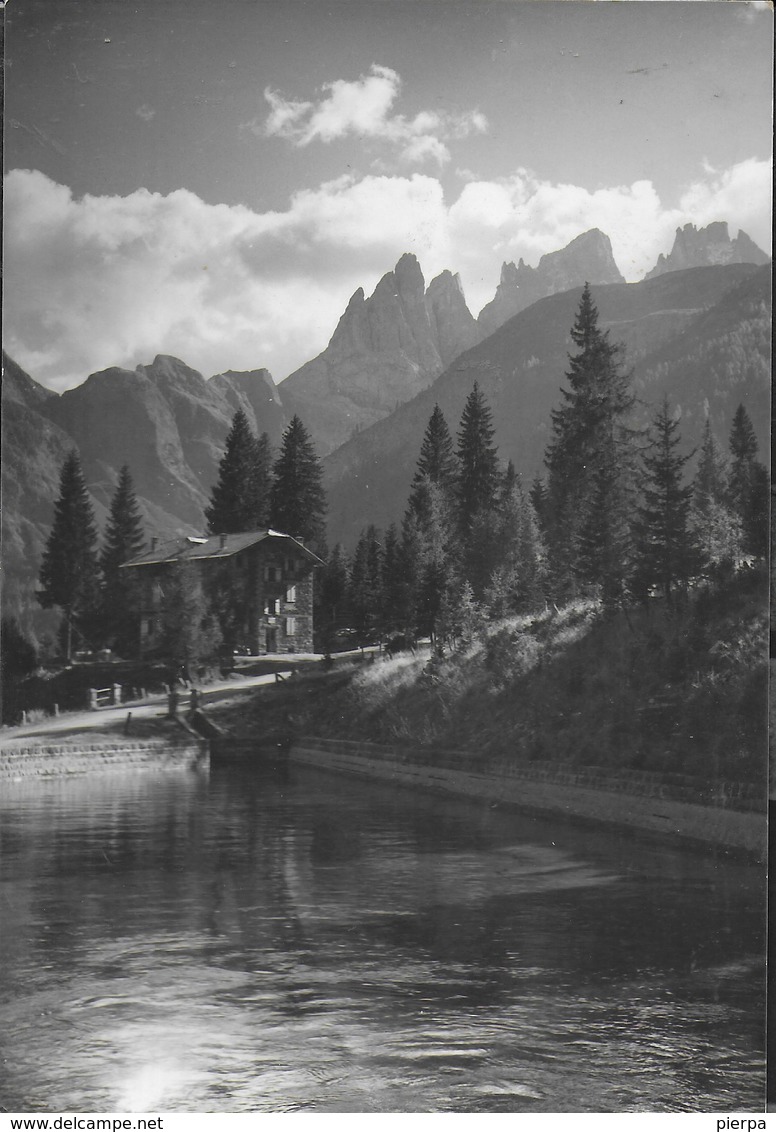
x: 215, y: 180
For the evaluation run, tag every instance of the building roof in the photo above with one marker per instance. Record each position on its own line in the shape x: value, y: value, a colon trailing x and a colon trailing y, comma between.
x: 195, y: 549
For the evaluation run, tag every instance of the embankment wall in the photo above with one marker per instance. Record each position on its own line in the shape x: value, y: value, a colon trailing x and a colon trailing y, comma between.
x: 730, y: 815
x: 45, y: 760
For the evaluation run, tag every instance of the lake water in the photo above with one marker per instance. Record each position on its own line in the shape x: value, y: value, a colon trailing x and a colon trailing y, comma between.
x: 269, y: 941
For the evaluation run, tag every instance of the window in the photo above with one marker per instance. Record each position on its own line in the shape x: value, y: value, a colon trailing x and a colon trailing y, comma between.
x: 277, y: 605
x: 290, y: 626
x: 291, y: 595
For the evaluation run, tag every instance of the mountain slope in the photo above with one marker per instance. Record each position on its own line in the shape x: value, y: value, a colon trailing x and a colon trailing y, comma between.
x: 168, y: 423
x: 520, y: 369
x: 164, y: 420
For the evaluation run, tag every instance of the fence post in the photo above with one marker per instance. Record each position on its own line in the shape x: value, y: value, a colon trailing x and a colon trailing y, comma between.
x: 116, y: 694
x: 92, y: 699
x: 194, y: 704
x: 172, y: 704
x: 56, y: 709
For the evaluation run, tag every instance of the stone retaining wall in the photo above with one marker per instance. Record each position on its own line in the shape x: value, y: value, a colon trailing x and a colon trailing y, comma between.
x: 44, y: 760
x: 641, y: 801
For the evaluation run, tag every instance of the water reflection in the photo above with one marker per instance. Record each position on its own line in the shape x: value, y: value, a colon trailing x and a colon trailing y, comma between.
x: 254, y: 942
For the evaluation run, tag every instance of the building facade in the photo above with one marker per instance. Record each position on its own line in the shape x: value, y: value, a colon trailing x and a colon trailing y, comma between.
x: 268, y: 576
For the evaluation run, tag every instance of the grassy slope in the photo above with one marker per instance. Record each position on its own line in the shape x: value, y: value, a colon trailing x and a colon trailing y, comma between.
x: 682, y: 690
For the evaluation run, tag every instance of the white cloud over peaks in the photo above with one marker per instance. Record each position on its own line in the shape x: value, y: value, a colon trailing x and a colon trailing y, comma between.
x: 102, y: 281
x: 363, y: 108
x: 736, y: 194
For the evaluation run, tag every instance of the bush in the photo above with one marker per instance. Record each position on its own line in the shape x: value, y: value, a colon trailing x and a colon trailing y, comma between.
x: 510, y: 654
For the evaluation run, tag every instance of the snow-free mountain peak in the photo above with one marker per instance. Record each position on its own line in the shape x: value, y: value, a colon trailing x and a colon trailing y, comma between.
x: 588, y: 258
x: 706, y: 247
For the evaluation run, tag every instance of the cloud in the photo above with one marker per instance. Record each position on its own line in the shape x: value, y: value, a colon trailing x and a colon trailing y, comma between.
x: 363, y: 108
x: 736, y: 194
x: 523, y: 215
x: 146, y: 112
x: 93, y: 282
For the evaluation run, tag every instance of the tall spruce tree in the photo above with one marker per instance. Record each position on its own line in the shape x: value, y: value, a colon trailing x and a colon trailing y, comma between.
x: 478, y: 469
x: 261, y: 481
x: 124, y: 538
x: 666, y: 556
x: 437, y: 462
x: 298, y: 501
x: 589, y: 461
x: 748, y: 486
x: 68, y: 573
x: 238, y: 502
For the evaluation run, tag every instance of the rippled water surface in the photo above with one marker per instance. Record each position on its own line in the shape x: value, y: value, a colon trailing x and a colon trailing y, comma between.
x: 270, y: 942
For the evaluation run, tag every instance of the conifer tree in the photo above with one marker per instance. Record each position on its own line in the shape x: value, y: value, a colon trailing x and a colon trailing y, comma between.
x: 589, y: 459
x: 604, y: 534
x: 68, y: 573
x: 666, y: 554
x: 710, y: 483
x: 743, y: 442
x: 478, y: 471
x: 716, y: 528
x: 437, y: 462
x: 410, y: 554
x: 748, y: 487
x: 514, y: 584
x: 124, y: 538
x: 261, y: 481
x: 331, y: 596
x: 238, y: 502
x: 460, y: 617
x: 393, y: 581
x: 190, y: 631
x: 298, y: 501
x: 366, y: 585
x: 438, y: 562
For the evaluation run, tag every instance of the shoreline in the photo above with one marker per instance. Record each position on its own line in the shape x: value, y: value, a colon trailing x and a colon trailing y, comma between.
x: 638, y: 802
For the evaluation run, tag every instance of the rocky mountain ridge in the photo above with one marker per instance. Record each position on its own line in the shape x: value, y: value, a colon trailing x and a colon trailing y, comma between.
x: 587, y: 259
x: 384, y: 350
x: 706, y: 247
